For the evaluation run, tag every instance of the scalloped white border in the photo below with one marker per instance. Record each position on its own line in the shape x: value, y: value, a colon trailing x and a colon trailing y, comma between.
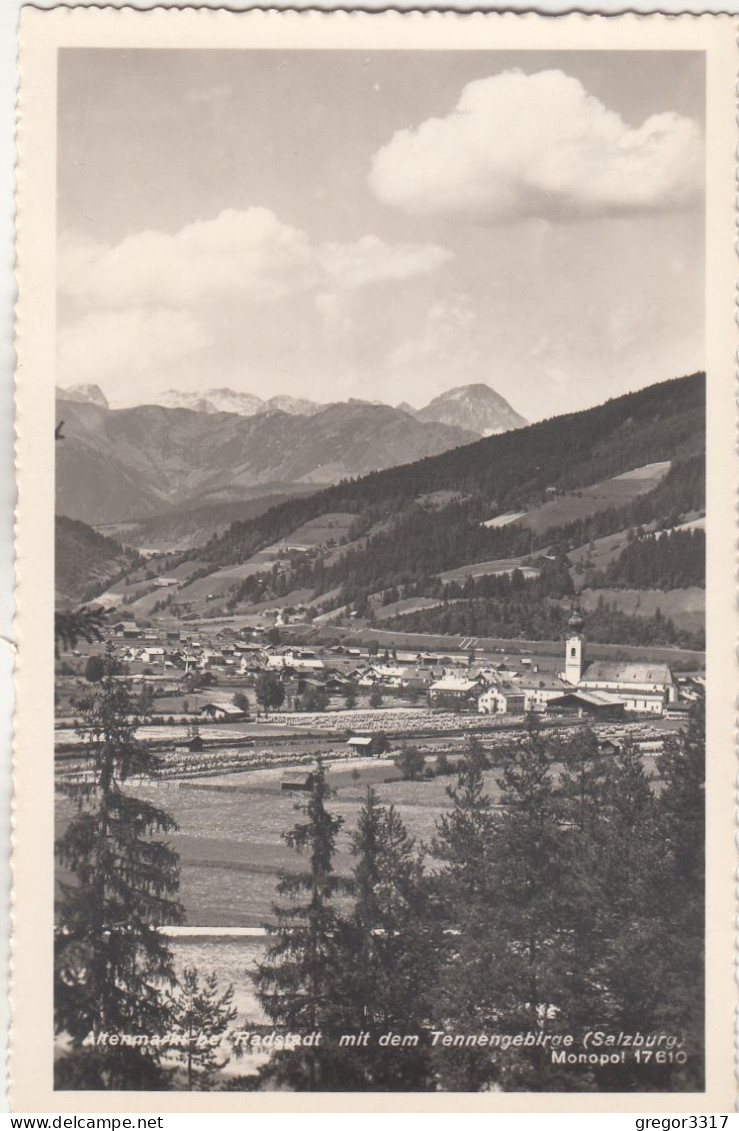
x: 41, y: 33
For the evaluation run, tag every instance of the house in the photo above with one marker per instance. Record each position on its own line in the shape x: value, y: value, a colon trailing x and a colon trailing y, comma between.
x: 455, y: 689
x: 679, y: 711
x: 152, y: 656
x: 128, y: 629
x: 389, y: 675
x: 301, y: 781
x: 540, y: 689
x: 337, y: 685
x: 303, y: 660
x: 502, y: 699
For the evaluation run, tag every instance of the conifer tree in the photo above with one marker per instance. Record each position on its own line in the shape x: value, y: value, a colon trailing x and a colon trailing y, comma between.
x: 112, y: 963
x: 388, y: 949
x: 535, y: 963
x: 467, y: 996
x: 681, y: 815
x: 585, y: 895
x: 626, y: 909
x: 295, y: 982
x: 199, y: 1018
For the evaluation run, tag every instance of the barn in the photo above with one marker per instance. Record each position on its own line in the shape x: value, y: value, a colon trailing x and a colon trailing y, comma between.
x: 370, y: 744
x: 298, y: 781
x: 222, y: 712
x: 596, y: 704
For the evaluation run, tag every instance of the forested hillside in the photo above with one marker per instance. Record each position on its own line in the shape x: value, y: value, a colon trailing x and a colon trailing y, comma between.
x: 517, y: 513
x: 495, y: 475
x: 86, y: 562
x: 671, y: 560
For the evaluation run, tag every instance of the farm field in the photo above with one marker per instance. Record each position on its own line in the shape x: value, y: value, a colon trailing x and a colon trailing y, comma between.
x: 485, y: 569
x: 686, y: 607
x: 608, y: 493
x: 604, y: 550
x: 221, y: 580
x: 230, y: 829
x: 408, y: 605
x: 504, y: 519
x: 231, y: 846
x: 325, y: 528
x: 429, y: 641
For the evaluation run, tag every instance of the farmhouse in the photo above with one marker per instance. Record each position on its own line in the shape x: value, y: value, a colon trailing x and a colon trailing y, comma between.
x: 502, y: 699
x: 455, y: 689
x: 540, y: 689
x: 128, y: 629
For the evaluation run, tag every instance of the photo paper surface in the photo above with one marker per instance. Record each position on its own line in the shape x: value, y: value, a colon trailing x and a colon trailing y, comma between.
x: 375, y: 553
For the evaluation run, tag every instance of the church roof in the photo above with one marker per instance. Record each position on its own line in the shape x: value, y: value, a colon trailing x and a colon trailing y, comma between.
x: 543, y: 681
x: 605, y: 671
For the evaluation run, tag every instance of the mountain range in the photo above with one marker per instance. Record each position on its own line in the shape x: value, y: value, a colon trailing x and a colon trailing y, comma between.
x: 477, y: 408
x: 431, y: 539
x: 244, y: 404
x: 115, y: 465
x: 434, y: 514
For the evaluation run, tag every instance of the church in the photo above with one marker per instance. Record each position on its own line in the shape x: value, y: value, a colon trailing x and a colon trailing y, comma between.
x: 645, y: 688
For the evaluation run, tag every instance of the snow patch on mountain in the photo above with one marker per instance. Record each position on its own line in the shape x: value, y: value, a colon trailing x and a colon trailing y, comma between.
x: 84, y: 394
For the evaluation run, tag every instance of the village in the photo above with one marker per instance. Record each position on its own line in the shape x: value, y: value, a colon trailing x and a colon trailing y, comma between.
x: 209, y: 690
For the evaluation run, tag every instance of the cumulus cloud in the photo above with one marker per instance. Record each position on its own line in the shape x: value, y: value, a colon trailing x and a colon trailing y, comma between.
x: 370, y: 260
x: 521, y: 146
x: 156, y: 300
x: 250, y: 255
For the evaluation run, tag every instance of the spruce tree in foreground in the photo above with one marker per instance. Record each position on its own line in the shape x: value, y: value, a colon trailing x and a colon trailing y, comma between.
x: 681, y: 813
x: 467, y: 997
x: 296, y: 981
x: 387, y: 956
x: 111, y: 962
x: 199, y: 1018
x: 535, y: 962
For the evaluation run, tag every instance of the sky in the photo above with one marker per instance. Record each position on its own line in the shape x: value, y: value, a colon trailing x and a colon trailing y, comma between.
x: 385, y: 225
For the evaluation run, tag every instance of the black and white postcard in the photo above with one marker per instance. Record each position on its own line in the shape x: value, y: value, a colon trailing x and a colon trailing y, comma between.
x: 375, y: 447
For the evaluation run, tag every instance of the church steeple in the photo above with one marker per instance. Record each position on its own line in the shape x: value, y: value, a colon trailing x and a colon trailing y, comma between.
x: 575, y: 647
